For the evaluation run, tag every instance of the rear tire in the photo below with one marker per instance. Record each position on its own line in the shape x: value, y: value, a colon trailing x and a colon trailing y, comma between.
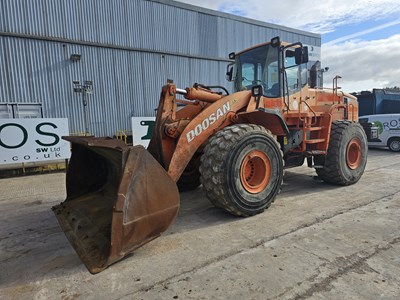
x: 242, y: 169
x: 394, y: 144
x: 347, y: 154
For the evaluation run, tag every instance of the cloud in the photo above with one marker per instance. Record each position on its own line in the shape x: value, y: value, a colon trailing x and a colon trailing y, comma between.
x: 311, y: 15
x: 363, y: 32
x: 363, y: 65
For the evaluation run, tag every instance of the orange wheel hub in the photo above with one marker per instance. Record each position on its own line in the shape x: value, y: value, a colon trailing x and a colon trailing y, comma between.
x: 255, y: 171
x: 354, y: 154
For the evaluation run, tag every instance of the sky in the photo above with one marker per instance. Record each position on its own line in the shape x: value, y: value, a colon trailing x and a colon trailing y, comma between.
x: 360, y: 38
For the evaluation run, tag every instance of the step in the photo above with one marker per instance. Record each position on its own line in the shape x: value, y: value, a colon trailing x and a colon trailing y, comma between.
x: 315, y: 141
x: 316, y: 152
x: 313, y: 128
x: 318, y: 166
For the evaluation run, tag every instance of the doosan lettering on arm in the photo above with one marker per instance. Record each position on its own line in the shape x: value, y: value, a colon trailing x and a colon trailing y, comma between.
x: 211, y: 119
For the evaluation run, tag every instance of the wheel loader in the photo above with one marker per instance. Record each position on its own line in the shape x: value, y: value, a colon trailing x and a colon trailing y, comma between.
x: 236, y: 145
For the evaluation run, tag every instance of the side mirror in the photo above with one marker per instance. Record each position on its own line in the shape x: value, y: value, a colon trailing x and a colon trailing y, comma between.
x: 229, y: 72
x: 301, y: 55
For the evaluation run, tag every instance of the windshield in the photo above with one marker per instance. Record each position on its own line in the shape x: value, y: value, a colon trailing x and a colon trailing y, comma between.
x: 258, y: 66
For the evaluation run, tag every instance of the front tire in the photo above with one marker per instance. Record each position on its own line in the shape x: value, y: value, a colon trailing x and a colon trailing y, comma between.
x: 347, y: 154
x: 242, y: 169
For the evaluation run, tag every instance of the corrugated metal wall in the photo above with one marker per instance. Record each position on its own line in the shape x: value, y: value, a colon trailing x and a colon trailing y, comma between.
x: 128, y: 49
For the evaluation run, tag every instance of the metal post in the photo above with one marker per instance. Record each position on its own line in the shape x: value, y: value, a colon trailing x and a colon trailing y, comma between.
x: 85, y: 112
x: 86, y: 88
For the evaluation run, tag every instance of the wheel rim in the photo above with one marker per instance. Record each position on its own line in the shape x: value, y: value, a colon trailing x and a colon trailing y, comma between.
x: 255, y: 171
x: 354, y: 154
x: 395, y: 145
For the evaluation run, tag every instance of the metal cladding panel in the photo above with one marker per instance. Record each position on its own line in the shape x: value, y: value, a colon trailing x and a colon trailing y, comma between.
x: 128, y: 49
x: 140, y: 24
x: 17, y: 78
x: 4, y: 82
x: 44, y: 75
x: 161, y: 28
x: 6, y: 111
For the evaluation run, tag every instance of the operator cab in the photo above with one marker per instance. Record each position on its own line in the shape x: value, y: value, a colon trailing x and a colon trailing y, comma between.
x: 280, y: 70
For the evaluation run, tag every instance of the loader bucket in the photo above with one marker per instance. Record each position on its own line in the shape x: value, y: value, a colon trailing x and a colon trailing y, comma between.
x: 118, y: 199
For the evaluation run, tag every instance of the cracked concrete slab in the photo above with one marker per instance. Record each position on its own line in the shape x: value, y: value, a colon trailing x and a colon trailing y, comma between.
x: 316, y: 241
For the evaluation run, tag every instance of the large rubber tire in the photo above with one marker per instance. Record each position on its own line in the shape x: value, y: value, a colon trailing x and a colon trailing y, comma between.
x: 394, y: 144
x: 347, y: 154
x: 242, y: 169
x: 190, y: 178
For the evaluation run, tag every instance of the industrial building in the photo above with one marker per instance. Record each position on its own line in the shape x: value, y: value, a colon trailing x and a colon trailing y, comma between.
x: 379, y: 101
x: 123, y: 50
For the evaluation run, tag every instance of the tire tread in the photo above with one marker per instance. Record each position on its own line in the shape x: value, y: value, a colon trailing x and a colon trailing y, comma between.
x: 332, y: 172
x: 212, y: 161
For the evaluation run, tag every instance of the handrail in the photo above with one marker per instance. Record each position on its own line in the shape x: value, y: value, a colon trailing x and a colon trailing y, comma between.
x: 313, y: 111
x: 122, y: 135
x: 352, y: 110
x: 337, y: 105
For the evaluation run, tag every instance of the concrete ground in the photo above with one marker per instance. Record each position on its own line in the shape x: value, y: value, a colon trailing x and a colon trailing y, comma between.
x: 317, y: 241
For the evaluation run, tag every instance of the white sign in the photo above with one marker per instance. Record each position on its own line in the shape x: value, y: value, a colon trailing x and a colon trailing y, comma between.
x: 31, y: 140
x: 142, y: 130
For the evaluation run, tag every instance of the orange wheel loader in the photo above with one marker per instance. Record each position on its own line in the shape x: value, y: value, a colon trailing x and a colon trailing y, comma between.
x: 237, y: 145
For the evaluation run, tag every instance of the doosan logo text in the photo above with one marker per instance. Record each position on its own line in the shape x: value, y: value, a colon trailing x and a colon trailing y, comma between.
x: 211, y: 119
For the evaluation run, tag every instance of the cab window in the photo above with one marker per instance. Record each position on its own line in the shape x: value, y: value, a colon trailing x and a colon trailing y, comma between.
x: 292, y: 71
x: 251, y: 74
x: 259, y: 66
x: 296, y: 75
